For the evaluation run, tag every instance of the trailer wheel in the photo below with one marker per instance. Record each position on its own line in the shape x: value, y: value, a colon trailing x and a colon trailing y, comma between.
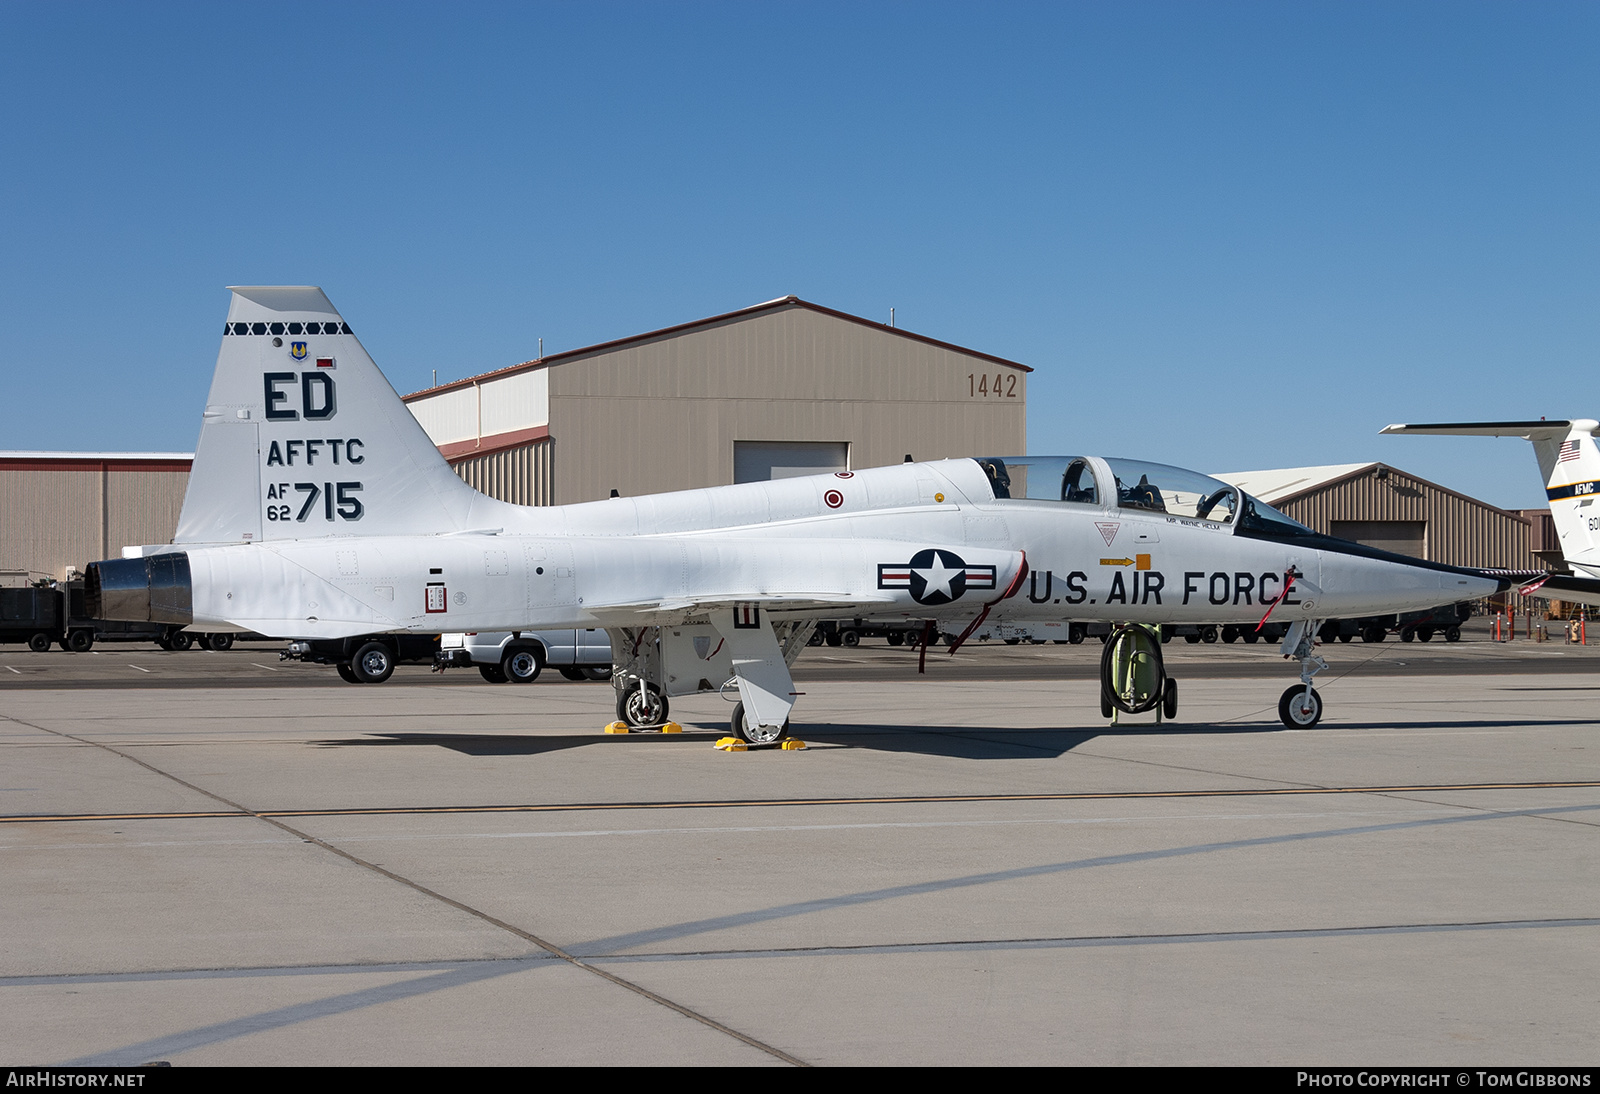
x: 895, y: 638
x: 1208, y: 635
x: 1425, y: 634
x: 39, y: 642
x: 1346, y: 637
x: 850, y: 638
x: 1408, y: 635
x: 180, y: 640
x: 80, y: 641
x: 1076, y: 633
x: 815, y: 639
x: 1372, y: 633
x: 219, y: 642
x: 1452, y: 634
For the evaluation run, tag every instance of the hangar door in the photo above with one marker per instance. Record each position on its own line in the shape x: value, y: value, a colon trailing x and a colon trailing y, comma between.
x: 758, y: 461
x: 1403, y: 537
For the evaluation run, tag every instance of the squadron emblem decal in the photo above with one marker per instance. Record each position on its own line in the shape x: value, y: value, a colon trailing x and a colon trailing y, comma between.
x: 935, y: 576
x: 297, y: 350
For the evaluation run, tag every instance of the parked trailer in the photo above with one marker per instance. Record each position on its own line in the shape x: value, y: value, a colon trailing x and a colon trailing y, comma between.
x: 850, y: 632
x: 46, y: 614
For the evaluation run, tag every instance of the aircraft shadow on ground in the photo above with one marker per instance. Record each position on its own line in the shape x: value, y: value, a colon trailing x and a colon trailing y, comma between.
x: 955, y: 742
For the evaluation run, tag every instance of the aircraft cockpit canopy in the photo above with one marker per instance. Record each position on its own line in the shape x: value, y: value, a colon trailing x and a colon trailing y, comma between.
x: 1135, y: 485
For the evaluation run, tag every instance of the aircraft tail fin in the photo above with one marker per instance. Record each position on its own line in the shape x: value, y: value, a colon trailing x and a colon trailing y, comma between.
x: 304, y: 437
x: 1569, y: 462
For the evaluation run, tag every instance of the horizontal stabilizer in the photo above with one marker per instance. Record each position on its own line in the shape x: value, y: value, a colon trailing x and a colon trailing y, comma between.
x: 1573, y: 590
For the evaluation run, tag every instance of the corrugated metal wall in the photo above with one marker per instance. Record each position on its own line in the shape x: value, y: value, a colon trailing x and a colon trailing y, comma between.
x: 663, y: 414
x: 77, y: 513
x: 1461, y: 531
x: 524, y: 475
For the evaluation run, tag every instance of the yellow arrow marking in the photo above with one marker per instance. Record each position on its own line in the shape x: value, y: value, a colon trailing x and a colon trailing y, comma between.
x: 1116, y: 562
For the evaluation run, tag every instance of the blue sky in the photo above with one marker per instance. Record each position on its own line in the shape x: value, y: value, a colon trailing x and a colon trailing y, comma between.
x: 1227, y: 236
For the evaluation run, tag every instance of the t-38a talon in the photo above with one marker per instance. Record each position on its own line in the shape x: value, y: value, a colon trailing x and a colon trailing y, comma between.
x: 318, y: 509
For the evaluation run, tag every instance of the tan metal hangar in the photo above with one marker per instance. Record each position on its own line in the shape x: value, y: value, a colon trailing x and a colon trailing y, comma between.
x: 1382, y: 506
x: 782, y: 388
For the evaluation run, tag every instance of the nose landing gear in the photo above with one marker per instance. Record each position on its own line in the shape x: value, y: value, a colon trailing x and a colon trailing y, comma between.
x: 1301, y: 707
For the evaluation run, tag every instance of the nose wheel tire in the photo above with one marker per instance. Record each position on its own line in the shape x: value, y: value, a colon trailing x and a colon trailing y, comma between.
x: 641, y: 710
x: 373, y: 663
x: 1300, y: 708
x: 756, y: 735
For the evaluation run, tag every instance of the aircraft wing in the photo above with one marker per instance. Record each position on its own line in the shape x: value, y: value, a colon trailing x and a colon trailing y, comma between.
x: 787, y: 602
x: 1525, y: 430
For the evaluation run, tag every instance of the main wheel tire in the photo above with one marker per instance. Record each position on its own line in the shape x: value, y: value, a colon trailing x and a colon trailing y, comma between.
x: 759, y: 735
x: 80, y: 641
x: 373, y: 663
x: 1296, y: 712
x: 598, y: 673
x: 1169, y: 700
x: 39, y: 642
x: 642, y: 710
x: 492, y: 673
x: 346, y: 673
x: 1425, y: 634
x: 521, y: 664
x: 571, y: 672
x: 181, y: 640
x: 1452, y: 634
x: 850, y: 638
x: 219, y: 642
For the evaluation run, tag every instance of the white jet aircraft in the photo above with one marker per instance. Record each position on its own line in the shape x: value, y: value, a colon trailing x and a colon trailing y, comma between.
x: 319, y: 511
x: 1569, y: 463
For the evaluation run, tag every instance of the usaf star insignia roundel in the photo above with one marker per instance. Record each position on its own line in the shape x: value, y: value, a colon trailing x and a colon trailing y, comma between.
x: 935, y: 576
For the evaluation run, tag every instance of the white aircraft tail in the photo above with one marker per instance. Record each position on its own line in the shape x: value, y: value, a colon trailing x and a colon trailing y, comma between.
x: 1569, y: 461
x: 303, y: 437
